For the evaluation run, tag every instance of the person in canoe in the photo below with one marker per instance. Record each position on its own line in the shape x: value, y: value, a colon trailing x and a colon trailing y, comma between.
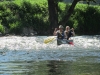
x: 69, y: 32
x: 63, y: 36
x: 60, y: 32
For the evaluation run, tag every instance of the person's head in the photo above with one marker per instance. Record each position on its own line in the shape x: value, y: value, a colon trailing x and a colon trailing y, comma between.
x: 67, y: 28
x: 72, y: 29
x: 61, y: 27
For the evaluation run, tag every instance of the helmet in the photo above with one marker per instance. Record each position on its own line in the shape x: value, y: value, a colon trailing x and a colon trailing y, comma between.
x: 60, y: 26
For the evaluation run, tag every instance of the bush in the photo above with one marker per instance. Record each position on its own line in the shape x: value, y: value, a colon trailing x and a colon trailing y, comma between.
x: 15, y: 16
x: 15, y: 28
x: 2, y: 29
x: 35, y: 16
x: 87, y: 20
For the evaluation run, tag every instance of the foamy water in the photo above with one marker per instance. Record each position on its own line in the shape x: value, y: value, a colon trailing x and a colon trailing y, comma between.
x: 30, y: 55
x: 16, y: 48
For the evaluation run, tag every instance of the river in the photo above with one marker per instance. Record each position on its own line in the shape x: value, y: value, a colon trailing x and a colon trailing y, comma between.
x: 30, y: 56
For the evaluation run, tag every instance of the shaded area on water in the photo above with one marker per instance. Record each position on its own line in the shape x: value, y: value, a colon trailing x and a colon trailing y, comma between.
x: 52, y: 67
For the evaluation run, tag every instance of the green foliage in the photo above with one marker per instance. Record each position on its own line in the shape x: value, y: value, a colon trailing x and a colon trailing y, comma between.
x: 85, y: 18
x: 88, y: 19
x: 62, y: 7
x: 26, y: 14
x: 18, y: 14
x: 2, y: 29
x: 35, y: 15
x: 15, y: 28
x: 88, y: 1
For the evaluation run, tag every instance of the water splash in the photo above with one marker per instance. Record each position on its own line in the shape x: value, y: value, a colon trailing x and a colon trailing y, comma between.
x: 23, y: 55
x: 32, y: 48
x: 36, y: 43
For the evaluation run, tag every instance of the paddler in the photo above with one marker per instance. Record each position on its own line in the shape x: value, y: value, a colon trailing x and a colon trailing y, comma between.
x: 60, y: 32
x: 69, y: 32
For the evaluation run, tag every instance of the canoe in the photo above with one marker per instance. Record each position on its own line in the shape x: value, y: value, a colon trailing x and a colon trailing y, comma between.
x: 64, y: 41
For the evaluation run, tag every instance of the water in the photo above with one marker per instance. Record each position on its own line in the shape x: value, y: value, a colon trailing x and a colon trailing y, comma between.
x: 30, y: 56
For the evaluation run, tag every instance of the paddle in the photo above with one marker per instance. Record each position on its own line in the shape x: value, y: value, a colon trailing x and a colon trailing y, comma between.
x: 49, y: 39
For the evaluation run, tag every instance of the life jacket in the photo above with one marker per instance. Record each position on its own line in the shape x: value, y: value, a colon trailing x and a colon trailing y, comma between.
x: 60, y: 35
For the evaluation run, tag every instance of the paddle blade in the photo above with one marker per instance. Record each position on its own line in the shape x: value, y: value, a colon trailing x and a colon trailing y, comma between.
x: 48, y: 40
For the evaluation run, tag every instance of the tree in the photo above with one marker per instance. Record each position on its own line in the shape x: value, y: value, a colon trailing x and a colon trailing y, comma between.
x: 71, y: 9
x: 53, y: 12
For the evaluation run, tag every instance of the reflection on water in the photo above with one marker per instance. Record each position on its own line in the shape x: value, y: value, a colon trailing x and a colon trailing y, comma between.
x: 30, y: 56
x: 52, y: 67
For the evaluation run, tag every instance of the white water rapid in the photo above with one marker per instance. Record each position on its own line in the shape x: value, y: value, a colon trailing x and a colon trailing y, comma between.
x: 16, y: 48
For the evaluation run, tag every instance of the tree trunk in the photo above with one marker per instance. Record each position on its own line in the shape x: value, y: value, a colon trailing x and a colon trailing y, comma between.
x: 69, y: 12
x: 53, y: 14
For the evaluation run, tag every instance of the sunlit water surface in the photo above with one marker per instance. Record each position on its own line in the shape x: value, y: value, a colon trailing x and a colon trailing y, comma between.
x: 30, y: 56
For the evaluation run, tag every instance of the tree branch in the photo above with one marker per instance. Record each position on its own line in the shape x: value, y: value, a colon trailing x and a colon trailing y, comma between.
x: 69, y: 12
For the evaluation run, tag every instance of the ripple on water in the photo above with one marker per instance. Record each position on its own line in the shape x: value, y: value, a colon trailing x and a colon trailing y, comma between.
x: 29, y: 55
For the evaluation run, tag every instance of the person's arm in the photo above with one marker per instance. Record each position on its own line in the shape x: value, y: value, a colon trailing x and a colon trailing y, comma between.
x: 54, y: 33
x: 73, y: 33
x: 65, y: 34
